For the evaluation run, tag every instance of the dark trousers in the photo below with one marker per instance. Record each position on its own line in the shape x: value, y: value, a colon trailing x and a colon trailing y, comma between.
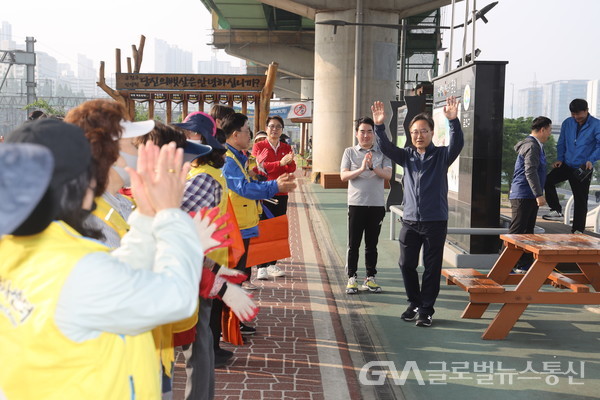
x: 241, y: 265
x: 367, y: 220
x: 276, y: 209
x: 524, y: 214
x: 432, y: 237
x: 199, y: 357
x: 580, y: 193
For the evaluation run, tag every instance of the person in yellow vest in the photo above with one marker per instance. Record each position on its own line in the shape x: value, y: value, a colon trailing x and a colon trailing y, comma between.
x: 110, y: 135
x: 245, y: 192
x: 72, y: 305
x: 206, y: 187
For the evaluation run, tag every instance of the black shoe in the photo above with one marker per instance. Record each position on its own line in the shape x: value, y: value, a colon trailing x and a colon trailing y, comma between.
x: 409, y: 314
x: 223, y: 353
x: 222, y: 356
x: 424, y: 320
x: 247, y: 330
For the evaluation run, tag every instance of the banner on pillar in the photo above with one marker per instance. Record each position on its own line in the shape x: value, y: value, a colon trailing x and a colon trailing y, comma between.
x: 139, y: 96
x: 159, y: 97
x: 250, y: 98
x: 193, y: 98
x: 224, y: 99
x: 177, y: 98
x: 209, y: 98
x: 238, y: 98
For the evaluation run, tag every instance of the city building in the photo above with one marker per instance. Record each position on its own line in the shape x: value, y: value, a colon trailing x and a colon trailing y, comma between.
x: 171, y: 59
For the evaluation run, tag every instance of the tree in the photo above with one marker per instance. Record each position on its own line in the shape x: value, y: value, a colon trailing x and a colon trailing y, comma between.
x: 43, y: 105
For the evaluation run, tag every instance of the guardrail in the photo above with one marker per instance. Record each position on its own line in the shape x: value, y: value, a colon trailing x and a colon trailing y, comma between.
x: 397, y: 214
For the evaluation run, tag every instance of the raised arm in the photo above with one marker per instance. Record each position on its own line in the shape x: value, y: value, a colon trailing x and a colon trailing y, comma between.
x: 393, y: 152
x: 457, y: 139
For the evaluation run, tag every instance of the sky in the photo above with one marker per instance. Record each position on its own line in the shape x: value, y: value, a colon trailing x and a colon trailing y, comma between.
x: 64, y: 28
x: 543, y: 40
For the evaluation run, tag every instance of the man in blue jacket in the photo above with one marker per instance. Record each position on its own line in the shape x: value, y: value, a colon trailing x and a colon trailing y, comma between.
x: 578, y: 147
x: 425, y: 219
x: 527, y: 188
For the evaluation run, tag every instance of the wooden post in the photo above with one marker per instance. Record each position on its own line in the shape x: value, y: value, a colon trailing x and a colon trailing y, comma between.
x: 169, y: 111
x: 184, y: 109
x: 257, y: 114
x: 150, y: 109
x: 265, y: 96
x: 118, y: 60
x: 244, y: 106
x: 138, y: 54
x: 107, y: 89
x: 129, y: 65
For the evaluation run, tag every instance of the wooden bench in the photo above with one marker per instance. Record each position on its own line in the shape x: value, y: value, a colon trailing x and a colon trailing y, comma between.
x: 332, y: 181
x: 561, y: 281
x: 471, y: 280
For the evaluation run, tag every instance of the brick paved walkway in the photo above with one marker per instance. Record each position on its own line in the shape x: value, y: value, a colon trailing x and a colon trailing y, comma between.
x: 299, y: 341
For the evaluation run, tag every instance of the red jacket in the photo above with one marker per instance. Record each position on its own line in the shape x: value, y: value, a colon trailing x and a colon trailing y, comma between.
x: 271, y: 163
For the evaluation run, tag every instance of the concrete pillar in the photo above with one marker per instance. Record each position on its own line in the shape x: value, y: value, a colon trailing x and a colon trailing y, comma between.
x: 333, y: 126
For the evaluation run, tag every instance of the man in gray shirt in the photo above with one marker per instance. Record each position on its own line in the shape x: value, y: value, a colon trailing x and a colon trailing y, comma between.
x: 365, y: 168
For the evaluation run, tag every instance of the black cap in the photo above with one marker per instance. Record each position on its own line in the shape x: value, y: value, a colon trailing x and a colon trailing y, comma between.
x: 67, y: 142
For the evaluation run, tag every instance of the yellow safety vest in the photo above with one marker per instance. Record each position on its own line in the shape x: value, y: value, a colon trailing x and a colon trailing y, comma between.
x: 219, y: 255
x: 158, y: 343
x: 110, y: 216
x: 246, y: 210
x: 38, y: 361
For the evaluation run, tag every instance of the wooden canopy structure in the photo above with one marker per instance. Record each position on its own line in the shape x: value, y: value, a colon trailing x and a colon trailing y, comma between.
x: 186, y: 89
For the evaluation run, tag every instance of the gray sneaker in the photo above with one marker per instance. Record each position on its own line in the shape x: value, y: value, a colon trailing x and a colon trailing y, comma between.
x: 554, y: 215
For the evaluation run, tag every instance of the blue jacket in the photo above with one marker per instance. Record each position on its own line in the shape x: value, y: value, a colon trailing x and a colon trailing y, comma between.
x: 255, y: 190
x: 573, y: 149
x: 530, y: 170
x: 425, y: 181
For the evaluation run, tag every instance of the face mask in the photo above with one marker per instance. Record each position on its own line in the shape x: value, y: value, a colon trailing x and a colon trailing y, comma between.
x: 123, y: 174
x: 130, y: 160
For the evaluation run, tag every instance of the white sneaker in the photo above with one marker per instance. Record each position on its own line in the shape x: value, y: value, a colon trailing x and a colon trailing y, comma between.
x: 274, y: 271
x: 247, y: 285
x: 553, y: 215
x: 262, y: 274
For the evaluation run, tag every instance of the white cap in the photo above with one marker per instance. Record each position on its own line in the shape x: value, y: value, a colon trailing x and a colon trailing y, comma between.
x: 135, y: 129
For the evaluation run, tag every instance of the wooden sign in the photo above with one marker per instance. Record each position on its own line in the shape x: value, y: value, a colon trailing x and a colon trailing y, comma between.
x: 209, y: 98
x: 237, y: 98
x: 246, y: 83
x: 250, y: 98
x: 159, y: 97
x: 177, y: 97
x: 223, y: 99
x: 193, y: 98
x: 139, y: 96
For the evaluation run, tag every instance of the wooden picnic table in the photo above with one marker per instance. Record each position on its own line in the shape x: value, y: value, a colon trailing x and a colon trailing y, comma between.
x: 548, y: 250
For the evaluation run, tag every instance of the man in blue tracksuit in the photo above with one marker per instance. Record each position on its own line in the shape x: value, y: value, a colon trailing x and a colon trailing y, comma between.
x: 527, y: 187
x: 578, y: 146
x: 425, y: 220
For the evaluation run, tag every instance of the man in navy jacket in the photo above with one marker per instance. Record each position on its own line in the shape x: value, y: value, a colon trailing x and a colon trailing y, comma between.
x: 527, y: 187
x: 578, y: 147
x: 425, y: 218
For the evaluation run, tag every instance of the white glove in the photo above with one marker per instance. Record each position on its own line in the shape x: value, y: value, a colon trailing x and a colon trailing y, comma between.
x: 240, y: 302
x: 231, y: 275
x: 211, y: 237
